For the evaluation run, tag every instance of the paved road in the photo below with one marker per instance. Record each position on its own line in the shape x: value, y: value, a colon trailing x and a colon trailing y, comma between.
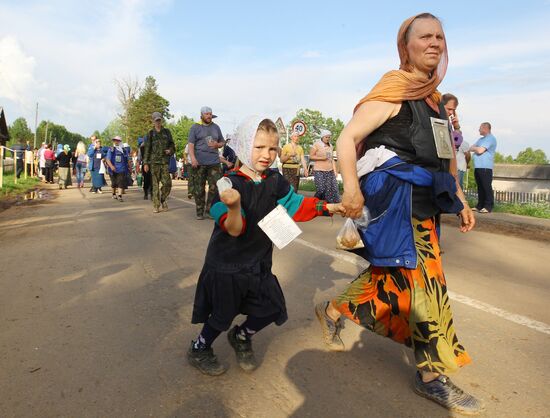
x: 96, y: 300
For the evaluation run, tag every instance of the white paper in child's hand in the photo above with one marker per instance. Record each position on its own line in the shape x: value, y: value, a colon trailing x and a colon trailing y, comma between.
x: 223, y: 184
x: 279, y: 227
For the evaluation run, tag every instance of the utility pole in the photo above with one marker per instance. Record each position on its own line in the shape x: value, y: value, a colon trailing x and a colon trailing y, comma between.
x: 35, y: 124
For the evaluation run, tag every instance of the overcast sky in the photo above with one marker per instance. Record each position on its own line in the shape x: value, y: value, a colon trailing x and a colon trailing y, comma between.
x: 271, y: 58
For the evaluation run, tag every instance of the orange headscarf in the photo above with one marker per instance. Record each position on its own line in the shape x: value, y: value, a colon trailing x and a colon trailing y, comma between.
x: 399, y: 85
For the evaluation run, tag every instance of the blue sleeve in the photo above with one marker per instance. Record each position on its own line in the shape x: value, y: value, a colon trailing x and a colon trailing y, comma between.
x: 220, y: 137
x: 192, y: 136
x: 108, y: 155
x: 493, y: 144
x: 486, y: 142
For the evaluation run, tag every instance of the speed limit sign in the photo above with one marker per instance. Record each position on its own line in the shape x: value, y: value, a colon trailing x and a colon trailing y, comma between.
x: 299, y: 127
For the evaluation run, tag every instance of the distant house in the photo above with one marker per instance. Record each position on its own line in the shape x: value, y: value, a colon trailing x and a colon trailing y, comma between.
x: 521, y: 178
x: 4, y: 134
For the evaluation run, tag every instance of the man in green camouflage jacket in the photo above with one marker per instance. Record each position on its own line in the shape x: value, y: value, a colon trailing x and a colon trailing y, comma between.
x: 158, y: 148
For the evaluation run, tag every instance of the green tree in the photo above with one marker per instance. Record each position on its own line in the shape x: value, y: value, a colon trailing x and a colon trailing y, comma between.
x: 53, y: 133
x: 530, y: 156
x: 315, y: 121
x: 501, y: 159
x: 140, y: 110
x: 180, y: 132
x: 114, y: 128
x: 20, y: 132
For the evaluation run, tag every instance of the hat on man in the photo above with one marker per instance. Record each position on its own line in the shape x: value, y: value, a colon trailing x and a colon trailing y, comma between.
x: 207, y: 109
x: 156, y: 116
x: 117, y: 138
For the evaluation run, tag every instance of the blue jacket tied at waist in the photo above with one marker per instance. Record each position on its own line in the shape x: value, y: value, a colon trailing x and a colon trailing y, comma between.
x: 389, y: 237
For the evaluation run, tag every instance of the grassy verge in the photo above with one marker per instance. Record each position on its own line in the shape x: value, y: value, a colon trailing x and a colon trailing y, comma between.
x: 10, y: 189
x: 536, y: 210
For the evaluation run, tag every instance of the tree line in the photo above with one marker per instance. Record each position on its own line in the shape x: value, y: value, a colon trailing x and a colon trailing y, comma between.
x: 139, y: 100
x: 46, y: 131
x: 527, y: 156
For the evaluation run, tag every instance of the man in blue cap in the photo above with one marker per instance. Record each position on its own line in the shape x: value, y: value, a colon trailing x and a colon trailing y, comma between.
x: 205, y: 138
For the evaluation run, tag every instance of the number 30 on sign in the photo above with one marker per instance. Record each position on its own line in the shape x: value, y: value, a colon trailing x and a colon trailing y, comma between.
x: 299, y: 127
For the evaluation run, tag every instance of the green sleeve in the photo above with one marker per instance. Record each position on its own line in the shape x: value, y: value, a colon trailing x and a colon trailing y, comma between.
x: 147, y: 150
x: 171, y: 144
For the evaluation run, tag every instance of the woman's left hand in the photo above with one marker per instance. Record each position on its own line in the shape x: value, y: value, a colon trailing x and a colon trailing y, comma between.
x: 467, y: 219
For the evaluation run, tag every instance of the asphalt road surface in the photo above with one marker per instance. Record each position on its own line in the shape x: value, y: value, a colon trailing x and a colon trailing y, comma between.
x: 96, y: 299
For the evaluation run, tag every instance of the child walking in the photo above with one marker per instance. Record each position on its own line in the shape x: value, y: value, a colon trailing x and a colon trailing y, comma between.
x: 236, y: 277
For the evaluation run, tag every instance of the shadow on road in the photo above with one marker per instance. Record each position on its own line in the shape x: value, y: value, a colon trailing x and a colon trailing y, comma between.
x: 372, y: 379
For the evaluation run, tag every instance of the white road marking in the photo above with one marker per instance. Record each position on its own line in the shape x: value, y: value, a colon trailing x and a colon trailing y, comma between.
x: 473, y: 303
x: 509, y: 316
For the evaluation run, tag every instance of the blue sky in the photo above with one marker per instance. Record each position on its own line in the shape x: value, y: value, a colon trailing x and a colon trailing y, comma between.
x: 269, y: 58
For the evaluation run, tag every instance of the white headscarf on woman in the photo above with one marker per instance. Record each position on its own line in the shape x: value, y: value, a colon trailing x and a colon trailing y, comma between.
x: 322, y: 134
x: 243, y: 139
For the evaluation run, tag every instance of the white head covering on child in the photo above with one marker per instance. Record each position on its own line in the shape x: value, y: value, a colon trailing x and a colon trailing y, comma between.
x: 243, y: 139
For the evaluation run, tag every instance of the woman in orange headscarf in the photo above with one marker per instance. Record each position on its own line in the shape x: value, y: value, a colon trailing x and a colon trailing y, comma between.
x: 408, y: 304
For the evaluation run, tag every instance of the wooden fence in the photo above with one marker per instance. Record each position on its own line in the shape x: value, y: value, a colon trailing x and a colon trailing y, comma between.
x: 513, y: 197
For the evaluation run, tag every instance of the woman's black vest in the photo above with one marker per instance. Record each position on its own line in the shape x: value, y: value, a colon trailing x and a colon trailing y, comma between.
x: 409, y: 134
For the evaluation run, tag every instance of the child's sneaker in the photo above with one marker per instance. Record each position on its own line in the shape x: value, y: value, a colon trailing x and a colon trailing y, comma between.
x: 331, y: 329
x: 243, y: 350
x: 205, y: 360
x: 448, y: 395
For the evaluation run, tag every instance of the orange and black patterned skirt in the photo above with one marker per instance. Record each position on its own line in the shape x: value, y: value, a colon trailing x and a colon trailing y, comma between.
x: 409, y: 306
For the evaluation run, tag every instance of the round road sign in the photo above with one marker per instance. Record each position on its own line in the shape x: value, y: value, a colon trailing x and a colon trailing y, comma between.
x: 299, y: 127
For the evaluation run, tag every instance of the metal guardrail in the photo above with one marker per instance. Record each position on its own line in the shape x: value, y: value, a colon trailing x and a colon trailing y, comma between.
x: 514, y: 197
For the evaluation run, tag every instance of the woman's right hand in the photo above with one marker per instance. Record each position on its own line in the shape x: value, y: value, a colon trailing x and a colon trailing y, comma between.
x: 353, y: 202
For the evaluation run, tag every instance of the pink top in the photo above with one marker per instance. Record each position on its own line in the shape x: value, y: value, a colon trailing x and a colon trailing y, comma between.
x: 49, y: 155
x: 319, y: 150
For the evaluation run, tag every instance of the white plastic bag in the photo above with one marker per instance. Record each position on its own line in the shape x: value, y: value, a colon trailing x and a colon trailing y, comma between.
x: 348, y: 238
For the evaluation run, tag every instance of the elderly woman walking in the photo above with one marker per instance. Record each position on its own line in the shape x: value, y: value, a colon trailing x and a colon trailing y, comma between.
x: 95, y: 164
x: 324, y: 171
x: 403, y: 294
x: 64, y: 159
